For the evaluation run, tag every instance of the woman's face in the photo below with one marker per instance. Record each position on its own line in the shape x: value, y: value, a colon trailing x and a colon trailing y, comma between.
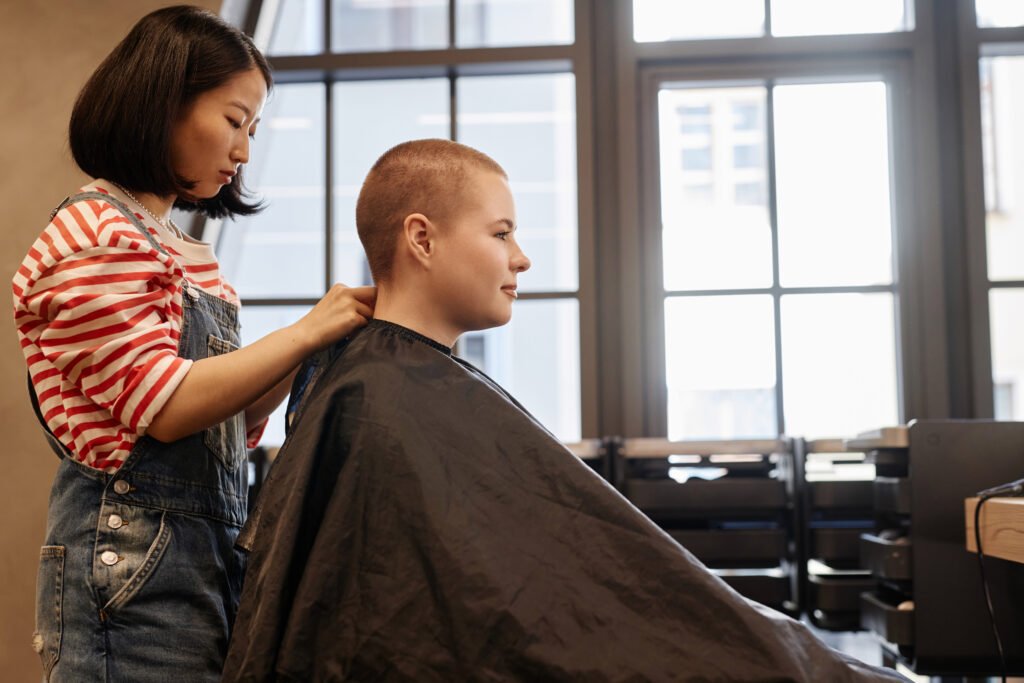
x: 211, y: 139
x: 477, y: 257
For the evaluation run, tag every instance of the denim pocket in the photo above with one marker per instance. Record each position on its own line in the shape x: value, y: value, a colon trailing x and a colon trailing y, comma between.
x: 49, y: 599
x: 125, y: 557
x: 226, y: 440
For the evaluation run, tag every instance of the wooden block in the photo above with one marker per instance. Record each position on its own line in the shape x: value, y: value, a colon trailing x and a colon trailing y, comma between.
x: 1002, y: 527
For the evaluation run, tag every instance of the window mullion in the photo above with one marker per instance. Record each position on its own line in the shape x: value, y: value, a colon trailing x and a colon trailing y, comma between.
x: 328, y: 157
x: 773, y: 222
x: 329, y: 181
x: 453, y: 104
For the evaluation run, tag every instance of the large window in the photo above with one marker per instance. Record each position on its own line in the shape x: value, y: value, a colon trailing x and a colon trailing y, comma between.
x: 777, y: 257
x: 397, y: 71
x: 1000, y: 103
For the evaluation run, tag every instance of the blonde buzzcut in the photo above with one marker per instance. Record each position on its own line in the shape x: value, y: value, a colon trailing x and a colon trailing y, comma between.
x: 420, y: 176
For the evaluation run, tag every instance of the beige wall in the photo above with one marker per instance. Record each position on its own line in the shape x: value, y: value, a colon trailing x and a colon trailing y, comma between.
x: 48, y: 48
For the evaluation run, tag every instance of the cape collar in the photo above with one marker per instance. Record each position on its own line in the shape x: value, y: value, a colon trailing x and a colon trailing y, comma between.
x: 408, y: 334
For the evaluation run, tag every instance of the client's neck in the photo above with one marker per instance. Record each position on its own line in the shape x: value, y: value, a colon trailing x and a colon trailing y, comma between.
x: 413, y: 308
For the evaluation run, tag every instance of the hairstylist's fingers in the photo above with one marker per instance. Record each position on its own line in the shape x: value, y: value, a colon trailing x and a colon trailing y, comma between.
x: 367, y: 295
x: 338, y: 289
x: 364, y: 310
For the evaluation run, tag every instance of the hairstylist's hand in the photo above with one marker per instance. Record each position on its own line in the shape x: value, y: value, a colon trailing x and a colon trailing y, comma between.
x: 341, y: 311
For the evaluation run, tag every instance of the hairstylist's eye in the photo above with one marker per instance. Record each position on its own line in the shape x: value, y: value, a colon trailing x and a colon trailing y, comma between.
x: 234, y: 124
x: 503, y: 235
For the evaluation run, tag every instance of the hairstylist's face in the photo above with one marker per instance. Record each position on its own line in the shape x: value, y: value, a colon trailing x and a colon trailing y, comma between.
x: 211, y: 139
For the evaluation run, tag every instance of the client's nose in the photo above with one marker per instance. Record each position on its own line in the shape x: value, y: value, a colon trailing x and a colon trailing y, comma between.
x: 520, y: 262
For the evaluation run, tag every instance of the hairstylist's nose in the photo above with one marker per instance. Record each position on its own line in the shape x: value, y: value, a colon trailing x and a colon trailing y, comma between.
x: 240, y: 155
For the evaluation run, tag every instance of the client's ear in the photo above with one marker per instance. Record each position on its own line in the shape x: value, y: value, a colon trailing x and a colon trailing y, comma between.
x: 419, y: 233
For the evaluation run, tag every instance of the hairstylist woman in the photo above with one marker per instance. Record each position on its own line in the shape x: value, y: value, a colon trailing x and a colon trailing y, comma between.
x: 131, y: 338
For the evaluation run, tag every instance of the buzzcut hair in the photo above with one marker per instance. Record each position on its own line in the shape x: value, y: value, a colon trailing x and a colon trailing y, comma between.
x: 123, y: 120
x: 420, y: 176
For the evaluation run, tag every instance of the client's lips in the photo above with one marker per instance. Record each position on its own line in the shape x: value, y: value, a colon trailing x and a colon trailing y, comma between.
x: 511, y: 291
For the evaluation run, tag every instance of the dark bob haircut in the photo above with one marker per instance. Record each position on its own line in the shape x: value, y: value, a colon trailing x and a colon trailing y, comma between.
x: 122, y: 122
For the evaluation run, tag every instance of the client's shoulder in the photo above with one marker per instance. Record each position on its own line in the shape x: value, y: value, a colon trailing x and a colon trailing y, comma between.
x: 377, y: 360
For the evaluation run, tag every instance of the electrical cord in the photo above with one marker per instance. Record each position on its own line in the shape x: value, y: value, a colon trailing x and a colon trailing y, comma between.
x: 1013, y: 488
x: 982, y: 498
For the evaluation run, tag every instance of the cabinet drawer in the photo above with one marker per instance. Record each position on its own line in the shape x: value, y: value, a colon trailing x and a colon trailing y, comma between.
x: 892, y: 494
x: 837, y: 594
x: 886, y: 559
x: 892, y: 624
x: 770, y: 587
x: 751, y: 547
x: 836, y: 545
x: 830, y: 495
x: 669, y: 496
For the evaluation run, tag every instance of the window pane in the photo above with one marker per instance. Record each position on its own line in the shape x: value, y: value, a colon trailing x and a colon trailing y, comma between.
x: 832, y: 168
x: 295, y: 27
x: 492, y: 23
x: 280, y: 252
x: 1002, y: 110
x: 536, y: 358
x: 720, y: 367
x: 658, y: 20
x: 368, y: 26
x: 814, y: 17
x: 370, y: 117
x: 1006, y: 311
x: 838, y: 363
x: 714, y: 188
x: 993, y: 13
x: 257, y: 322
x: 528, y: 124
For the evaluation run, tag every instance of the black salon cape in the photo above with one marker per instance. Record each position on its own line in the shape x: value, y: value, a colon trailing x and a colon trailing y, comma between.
x: 419, y: 525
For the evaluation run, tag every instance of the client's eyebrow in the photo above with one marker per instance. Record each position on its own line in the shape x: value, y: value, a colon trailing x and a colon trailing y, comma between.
x: 507, y: 222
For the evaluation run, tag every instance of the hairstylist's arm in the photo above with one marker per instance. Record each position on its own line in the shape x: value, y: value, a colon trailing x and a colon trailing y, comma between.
x: 268, y: 402
x: 250, y: 378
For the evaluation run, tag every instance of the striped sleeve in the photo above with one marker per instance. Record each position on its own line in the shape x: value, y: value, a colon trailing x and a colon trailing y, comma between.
x: 254, y: 434
x: 103, y: 306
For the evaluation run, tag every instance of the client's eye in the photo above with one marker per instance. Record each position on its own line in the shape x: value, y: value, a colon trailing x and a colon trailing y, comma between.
x: 503, y: 234
x: 234, y: 124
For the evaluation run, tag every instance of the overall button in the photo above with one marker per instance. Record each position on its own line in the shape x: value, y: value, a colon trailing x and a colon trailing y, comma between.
x: 115, y: 521
x: 109, y: 558
x: 121, y: 486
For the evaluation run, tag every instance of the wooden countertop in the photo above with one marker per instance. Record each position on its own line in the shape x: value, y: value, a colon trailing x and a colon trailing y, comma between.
x: 1001, y: 525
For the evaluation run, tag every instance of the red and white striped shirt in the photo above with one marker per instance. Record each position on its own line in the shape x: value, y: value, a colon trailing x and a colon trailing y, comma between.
x: 99, y: 314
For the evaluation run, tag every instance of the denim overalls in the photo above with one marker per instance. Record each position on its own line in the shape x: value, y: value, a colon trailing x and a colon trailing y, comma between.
x: 139, y: 579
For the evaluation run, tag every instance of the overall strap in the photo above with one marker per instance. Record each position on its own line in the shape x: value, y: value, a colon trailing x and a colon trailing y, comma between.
x: 116, y: 203
x: 55, y: 444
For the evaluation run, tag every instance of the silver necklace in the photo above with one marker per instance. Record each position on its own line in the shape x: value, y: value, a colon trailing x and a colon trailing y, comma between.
x: 166, y: 225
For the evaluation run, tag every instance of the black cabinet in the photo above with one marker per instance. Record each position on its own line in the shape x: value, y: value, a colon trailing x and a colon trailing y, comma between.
x: 927, y: 602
